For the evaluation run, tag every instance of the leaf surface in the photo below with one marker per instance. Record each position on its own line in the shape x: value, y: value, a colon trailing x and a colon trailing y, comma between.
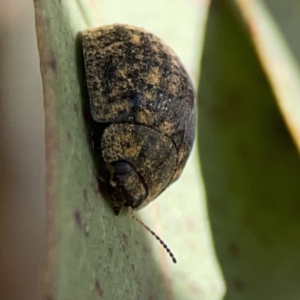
x: 91, y: 253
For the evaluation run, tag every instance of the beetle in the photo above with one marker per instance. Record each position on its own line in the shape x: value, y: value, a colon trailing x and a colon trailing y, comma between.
x: 140, y: 91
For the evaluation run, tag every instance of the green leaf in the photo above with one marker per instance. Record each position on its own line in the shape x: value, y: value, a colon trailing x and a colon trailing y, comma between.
x: 277, y: 49
x: 91, y: 253
x: 250, y: 162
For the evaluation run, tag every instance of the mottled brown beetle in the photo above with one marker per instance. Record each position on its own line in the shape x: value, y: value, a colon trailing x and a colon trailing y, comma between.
x: 139, y: 88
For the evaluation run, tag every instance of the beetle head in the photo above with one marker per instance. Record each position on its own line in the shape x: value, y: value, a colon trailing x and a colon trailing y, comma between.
x: 126, y: 186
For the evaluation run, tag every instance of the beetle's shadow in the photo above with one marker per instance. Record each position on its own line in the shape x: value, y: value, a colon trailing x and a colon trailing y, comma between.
x: 93, y: 130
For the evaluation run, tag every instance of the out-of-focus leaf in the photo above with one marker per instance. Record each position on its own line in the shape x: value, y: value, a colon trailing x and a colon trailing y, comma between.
x: 286, y: 15
x: 279, y: 60
x: 249, y: 161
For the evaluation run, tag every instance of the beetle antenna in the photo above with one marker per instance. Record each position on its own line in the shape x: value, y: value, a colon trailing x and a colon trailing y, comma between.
x: 154, y: 234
